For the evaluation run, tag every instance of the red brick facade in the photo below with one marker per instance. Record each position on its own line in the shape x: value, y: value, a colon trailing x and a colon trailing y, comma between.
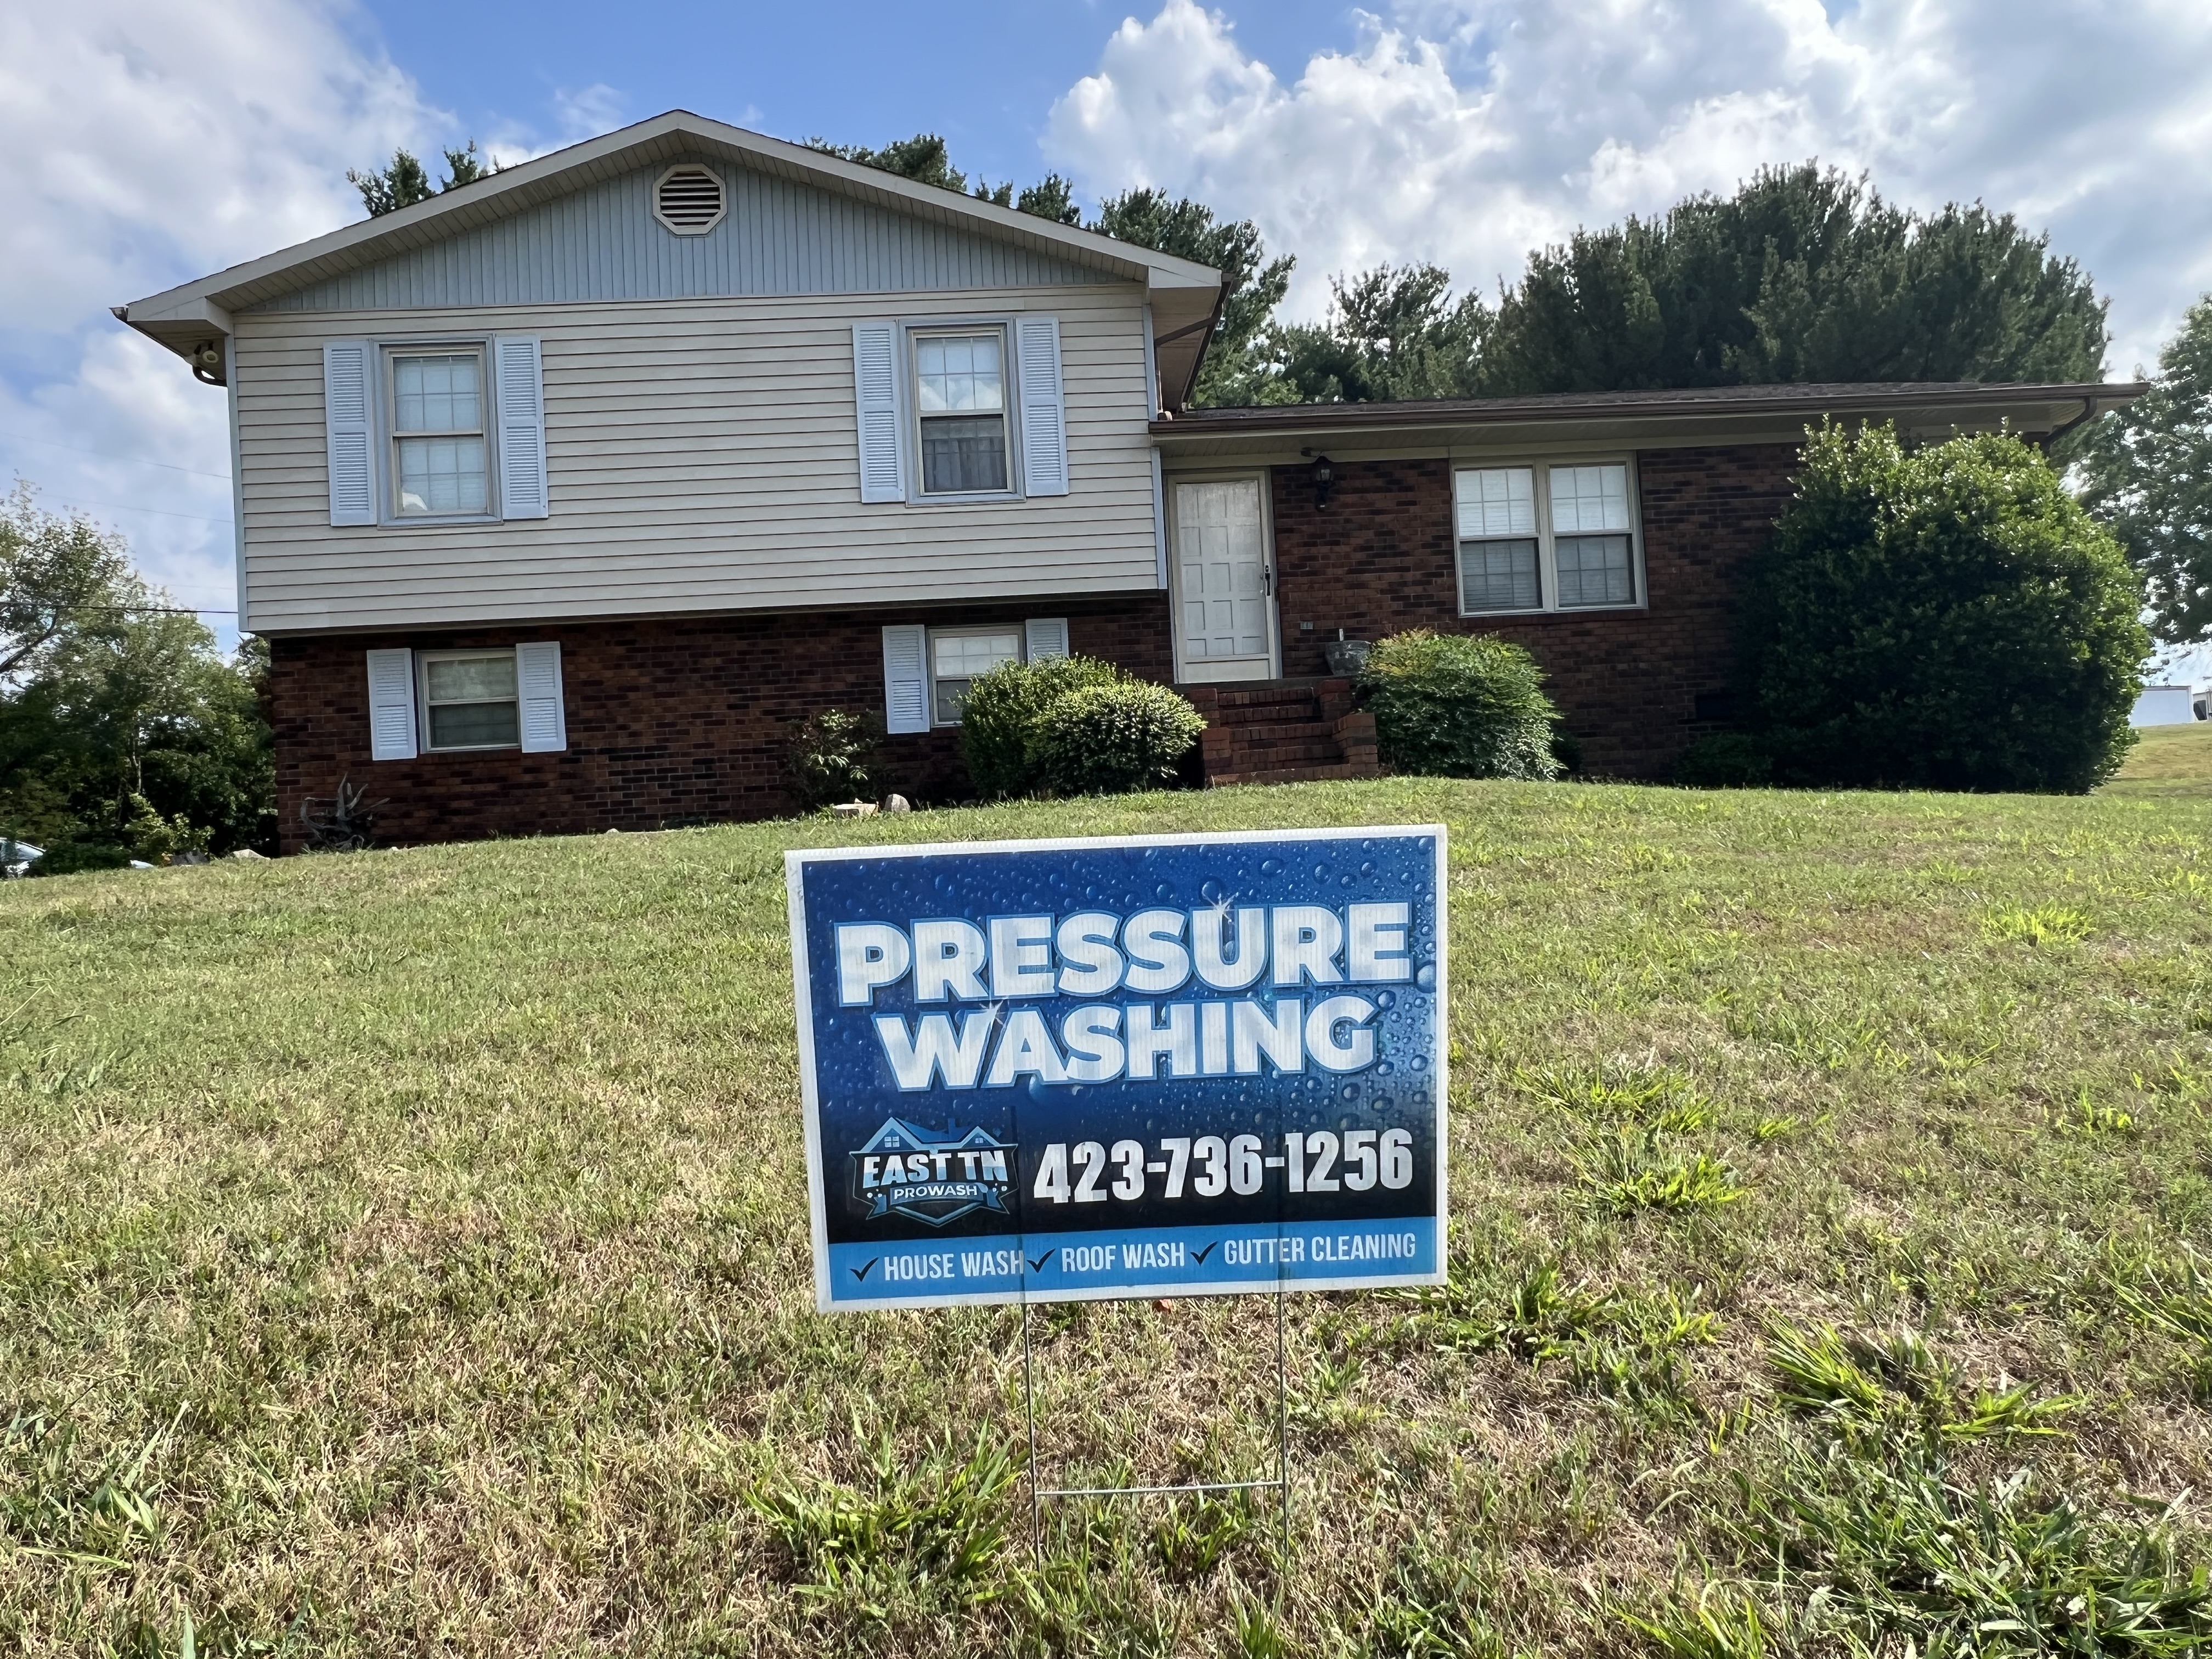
x: 1379, y: 558
x: 674, y: 720
x: 671, y: 721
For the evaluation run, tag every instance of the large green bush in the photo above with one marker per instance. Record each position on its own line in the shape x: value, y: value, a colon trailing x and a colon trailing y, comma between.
x: 1002, y: 709
x: 1103, y: 740
x: 1459, y: 706
x: 1947, y: 618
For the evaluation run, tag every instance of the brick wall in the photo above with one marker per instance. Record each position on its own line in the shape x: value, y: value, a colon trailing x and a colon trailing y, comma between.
x: 671, y: 721
x: 1379, y: 558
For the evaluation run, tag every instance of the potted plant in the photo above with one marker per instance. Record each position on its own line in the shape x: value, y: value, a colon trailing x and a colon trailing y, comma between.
x: 1345, y: 657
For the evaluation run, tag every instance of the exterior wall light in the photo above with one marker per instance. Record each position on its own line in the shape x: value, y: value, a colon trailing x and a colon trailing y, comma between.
x: 1324, y: 479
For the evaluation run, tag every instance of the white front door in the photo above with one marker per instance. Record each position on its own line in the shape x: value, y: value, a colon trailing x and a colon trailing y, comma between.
x: 1225, y: 615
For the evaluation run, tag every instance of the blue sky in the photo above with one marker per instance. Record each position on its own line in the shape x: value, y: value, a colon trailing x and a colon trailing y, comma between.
x: 152, y: 141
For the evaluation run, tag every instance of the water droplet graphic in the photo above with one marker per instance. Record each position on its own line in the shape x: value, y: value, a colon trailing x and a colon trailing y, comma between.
x: 1425, y: 976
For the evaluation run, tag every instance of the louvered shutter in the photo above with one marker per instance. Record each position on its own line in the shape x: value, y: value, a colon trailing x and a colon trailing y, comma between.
x: 875, y: 392
x: 392, y: 705
x: 538, y: 684
x: 906, y: 679
x: 521, y: 384
x: 1044, y: 409
x: 1046, y: 636
x: 346, y: 406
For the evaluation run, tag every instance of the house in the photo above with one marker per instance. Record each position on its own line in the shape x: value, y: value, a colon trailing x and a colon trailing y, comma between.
x: 560, y: 495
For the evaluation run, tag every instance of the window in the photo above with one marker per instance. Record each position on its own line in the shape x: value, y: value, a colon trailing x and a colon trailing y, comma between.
x: 438, y: 451
x: 469, y: 699
x: 955, y: 659
x: 960, y: 397
x: 1568, y: 546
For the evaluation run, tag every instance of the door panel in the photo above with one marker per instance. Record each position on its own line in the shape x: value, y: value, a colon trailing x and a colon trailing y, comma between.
x: 1226, y: 618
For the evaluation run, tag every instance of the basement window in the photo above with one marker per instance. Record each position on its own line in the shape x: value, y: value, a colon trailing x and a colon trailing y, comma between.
x: 957, y: 660
x: 1541, y: 539
x: 469, y: 699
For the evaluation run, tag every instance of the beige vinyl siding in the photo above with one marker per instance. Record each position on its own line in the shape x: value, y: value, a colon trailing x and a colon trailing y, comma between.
x: 701, y: 455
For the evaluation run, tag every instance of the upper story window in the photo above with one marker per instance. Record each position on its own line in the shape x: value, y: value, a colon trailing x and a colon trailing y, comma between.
x: 960, y: 397
x: 469, y: 699
x: 1547, y: 538
x: 438, y: 450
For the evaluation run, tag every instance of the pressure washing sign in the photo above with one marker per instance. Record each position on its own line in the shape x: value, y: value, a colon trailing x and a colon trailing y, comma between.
x: 1140, y: 1065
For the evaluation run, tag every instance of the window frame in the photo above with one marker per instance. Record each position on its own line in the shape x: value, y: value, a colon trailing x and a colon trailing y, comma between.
x: 1547, y: 565
x: 912, y: 334
x: 386, y: 415
x: 460, y: 653
x: 967, y: 630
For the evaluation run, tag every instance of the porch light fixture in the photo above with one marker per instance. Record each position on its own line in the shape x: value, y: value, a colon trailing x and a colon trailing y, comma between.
x: 1324, y: 478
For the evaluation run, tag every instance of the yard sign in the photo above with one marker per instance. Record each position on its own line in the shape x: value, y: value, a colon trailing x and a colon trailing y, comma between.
x: 1137, y: 1065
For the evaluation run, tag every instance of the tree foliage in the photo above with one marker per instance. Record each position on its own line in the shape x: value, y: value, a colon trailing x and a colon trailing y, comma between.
x: 405, y: 181
x: 2148, y: 475
x: 1803, y: 275
x: 1237, y: 370
x: 1391, y: 334
x: 1947, y: 618
x: 121, y: 724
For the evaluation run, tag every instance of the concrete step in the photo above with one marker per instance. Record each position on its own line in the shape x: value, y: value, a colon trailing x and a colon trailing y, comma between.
x: 1341, y: 772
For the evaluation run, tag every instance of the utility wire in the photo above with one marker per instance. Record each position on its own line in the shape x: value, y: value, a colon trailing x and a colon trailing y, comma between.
x: 110, y: 455
x: 166, y: 513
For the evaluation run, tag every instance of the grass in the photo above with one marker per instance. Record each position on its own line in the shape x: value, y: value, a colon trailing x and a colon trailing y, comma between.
x: 406, y: 1254
x: 2168, y: 762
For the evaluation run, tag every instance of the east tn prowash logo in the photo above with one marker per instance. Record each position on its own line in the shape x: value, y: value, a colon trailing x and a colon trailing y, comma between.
x: 929, y: 1178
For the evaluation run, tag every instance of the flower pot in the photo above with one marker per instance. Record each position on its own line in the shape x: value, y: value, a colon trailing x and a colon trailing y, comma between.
x: 1346, y: 657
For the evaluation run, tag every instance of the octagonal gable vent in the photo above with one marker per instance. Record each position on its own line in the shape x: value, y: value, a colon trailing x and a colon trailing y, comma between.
x: 689, y: 200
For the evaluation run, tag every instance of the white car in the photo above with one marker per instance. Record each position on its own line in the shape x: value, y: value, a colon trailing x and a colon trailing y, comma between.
x: 17, y: 857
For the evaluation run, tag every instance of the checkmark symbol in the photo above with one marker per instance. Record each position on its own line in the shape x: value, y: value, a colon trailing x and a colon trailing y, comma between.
x: 862, y: 1273
x: 1037, y: 1266
x: 1199, y: 1257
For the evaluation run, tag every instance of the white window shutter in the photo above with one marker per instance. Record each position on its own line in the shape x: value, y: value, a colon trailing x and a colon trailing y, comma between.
x: 346, y: 406
x: 519, y: 375
x: 538, y: 684
x: 1046, y: 636
x: 876, y: 394
x: 1044, y: 408
x: 906, y: 679
x: 392, y: 705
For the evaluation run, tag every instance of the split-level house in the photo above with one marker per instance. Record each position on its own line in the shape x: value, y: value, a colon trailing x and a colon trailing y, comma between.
x: 561, y: 496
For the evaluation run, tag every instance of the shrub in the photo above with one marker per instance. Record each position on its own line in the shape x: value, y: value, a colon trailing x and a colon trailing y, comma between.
x: 1948, y: 617
x: 1102, y: 740
x: 1725, y: 760
x: 1459, y: 706
x: 1002, y: 708
x: 826, y: 757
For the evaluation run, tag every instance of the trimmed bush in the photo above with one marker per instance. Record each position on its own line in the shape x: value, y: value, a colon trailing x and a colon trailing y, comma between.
x: 1103, y: 740
x: 827, y: 757
x: 1725, y: 760
x: 1947, y: 618
x: 1002, y: 709
x: 1459, y: 706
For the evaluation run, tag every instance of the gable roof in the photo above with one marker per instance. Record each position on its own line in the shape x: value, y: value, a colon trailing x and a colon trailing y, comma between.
x: 1183, y: 293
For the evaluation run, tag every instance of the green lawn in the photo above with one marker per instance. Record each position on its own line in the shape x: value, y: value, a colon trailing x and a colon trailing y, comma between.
x: 2168, y: 761
x: 406, y: 1254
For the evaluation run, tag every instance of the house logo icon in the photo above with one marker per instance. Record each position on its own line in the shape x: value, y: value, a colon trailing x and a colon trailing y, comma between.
x: 931, y: 1178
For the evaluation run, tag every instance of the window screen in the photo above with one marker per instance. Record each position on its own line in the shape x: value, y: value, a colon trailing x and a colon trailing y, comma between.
x: 955, y: 659
x: 960, y: 386
x: 469, y: 702
x: 438, y: 433
x: 1498, y: 561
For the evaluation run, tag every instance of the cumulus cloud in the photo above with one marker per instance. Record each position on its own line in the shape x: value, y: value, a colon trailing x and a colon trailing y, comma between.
x: 1466, y: 131
x: 152, y: 144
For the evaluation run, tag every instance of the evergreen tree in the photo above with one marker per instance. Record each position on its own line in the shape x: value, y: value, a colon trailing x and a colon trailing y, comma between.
x: 1390, y: 334
x: 1803, y: 275
x: 2148, y: 472
x: 405, y: 182
x: 1237, y: 369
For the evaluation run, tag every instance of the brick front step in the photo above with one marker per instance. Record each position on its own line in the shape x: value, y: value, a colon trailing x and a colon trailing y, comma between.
x: 1283, y: 731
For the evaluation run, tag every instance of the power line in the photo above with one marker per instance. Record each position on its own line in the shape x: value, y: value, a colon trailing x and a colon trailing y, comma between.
x: 110, y: 455
x: 166, y: 513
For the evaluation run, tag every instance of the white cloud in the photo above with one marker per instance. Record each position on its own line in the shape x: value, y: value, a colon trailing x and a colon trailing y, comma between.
x: 1466, y: 132
x: 152, y: 144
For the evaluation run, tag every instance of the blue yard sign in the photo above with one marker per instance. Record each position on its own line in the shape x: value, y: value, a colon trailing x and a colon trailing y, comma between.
x: 1137, y: 1065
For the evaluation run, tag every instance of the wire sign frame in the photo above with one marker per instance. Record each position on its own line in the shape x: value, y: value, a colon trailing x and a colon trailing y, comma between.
x: 1120, y: 1068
